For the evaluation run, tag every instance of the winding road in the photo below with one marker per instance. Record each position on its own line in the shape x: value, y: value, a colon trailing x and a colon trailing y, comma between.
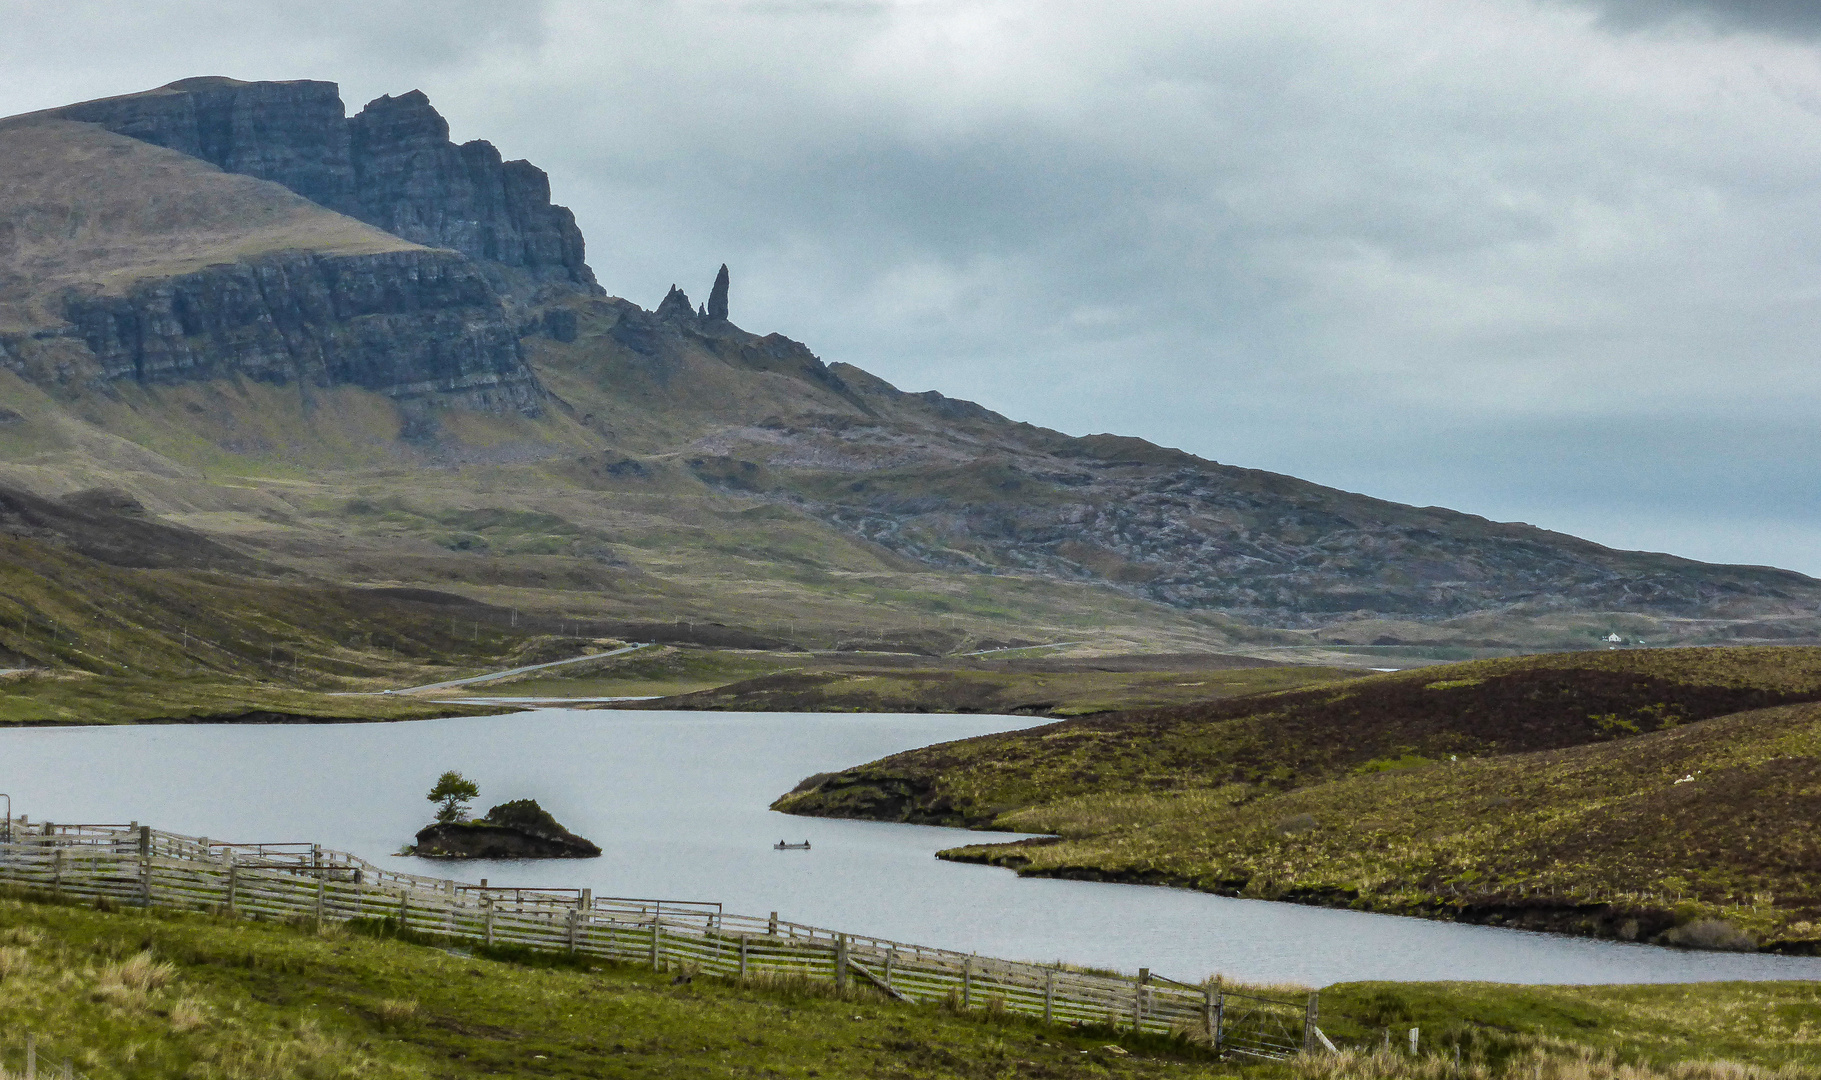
x: 491, y: 675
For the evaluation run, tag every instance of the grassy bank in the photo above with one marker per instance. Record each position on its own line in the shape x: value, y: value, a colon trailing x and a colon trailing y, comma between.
x: 787, y: 682
x: 129, y: 994
x: 1643, y: 795
x: 82, y: 699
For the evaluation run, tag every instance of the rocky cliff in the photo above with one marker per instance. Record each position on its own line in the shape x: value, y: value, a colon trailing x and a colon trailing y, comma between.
x: 413, y: 182
x: 410, y: 324
x: 291, y: 133
x: 392, y: 165
x: 170, y: 270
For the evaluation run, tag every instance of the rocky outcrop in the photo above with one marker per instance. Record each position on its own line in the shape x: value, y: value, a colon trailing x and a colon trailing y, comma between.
x: 392, y: 165
x: 409, y: 324
x: 516, y: 830
x: 717, y: 297
x: 675, y: 308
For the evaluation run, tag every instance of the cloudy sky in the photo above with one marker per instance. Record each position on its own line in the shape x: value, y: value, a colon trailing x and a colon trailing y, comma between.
x: 1555, y: 261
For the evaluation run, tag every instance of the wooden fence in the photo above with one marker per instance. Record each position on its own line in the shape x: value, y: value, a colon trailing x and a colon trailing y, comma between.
x: 136, y: 864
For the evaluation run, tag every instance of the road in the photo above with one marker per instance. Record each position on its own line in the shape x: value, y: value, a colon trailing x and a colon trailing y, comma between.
x: 491, y: 675
x: 1021, y: 648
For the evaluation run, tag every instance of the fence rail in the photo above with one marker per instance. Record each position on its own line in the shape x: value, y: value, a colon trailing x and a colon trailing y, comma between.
x: 138, y: 865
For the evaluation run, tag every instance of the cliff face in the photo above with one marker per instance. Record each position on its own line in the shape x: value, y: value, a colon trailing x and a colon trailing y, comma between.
x: 413, y: 182
x: 410, y: 324
x: 291, y: 133
x: 392, y: 165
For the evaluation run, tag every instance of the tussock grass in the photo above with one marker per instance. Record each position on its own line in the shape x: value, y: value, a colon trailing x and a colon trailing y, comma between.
x: 190, y: 995
x: 196, y: 996
x: 1544, y: 1059
x: 1645, y: 795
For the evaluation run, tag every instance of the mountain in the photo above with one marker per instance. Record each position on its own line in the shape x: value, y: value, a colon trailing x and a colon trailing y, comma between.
x: 349, y: 348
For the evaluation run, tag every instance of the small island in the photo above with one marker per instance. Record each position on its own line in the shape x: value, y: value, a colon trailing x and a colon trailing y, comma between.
x: 520, y: 829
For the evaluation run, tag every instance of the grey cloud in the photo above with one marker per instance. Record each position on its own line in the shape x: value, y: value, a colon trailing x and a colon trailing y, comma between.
x: 1796, y: 18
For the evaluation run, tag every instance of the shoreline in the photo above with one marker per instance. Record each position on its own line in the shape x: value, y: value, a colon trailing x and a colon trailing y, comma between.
x: 1594, y: 921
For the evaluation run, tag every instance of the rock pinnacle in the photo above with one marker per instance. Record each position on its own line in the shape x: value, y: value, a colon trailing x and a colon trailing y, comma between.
x: 717, y: 297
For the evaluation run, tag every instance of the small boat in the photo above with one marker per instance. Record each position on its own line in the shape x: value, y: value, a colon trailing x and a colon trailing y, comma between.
x: 782, y: 846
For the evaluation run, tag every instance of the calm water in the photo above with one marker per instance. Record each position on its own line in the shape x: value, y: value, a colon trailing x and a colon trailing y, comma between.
x: 677, y: 801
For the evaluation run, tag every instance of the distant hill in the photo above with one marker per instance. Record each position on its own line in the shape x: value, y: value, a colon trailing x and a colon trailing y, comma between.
x: 350, y: 348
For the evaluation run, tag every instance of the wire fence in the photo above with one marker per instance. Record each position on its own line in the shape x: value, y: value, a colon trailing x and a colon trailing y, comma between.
x: 37, y: 1061
x: 137, y: 865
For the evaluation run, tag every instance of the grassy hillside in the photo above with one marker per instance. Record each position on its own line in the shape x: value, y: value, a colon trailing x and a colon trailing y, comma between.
x: 66, y: 699
x: 61, y: 611
x: 83, y: 206
x: 1059, y: 688
x: 1648, y: 795
x: 189, y: 995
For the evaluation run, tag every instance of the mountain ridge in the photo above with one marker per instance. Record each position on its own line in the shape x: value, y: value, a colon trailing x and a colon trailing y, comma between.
x: 303, y: 361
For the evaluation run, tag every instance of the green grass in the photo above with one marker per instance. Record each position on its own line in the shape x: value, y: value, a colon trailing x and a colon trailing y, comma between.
x: 1771, y: 1024
x: 259, y: 1000
x: 1595, y: 839
x: 64, y: 612
x: 1539, y: 792
x: 128, y: 700
x: 853, y: 686
x: 659, y: 671
x: 169, y: 995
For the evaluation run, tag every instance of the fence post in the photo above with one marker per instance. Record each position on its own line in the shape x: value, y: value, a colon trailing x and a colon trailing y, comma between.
x: 657, y: 944
x: 1310, y: 1015
x: 575, y: 928
x: 145, y: 865
x: 31, y: 1056
x: 487, y: 932
x: 772, y: 929
x: 404, y: 908
x: 840, y: 962
x: 322, y: 883
x: 967, y: 982
x: 1144, y: 976
x: 1220, y: 1014
x: 890, y: 956
x: 1049, y: 995
x: 742, y: 957
x: 233, y: 880
x: 57, y: 873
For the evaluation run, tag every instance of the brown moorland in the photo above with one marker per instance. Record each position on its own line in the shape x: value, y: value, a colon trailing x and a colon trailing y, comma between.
x: 1626, y: 793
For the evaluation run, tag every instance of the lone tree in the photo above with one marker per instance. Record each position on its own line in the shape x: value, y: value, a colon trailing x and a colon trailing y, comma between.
x: 451, y: 793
